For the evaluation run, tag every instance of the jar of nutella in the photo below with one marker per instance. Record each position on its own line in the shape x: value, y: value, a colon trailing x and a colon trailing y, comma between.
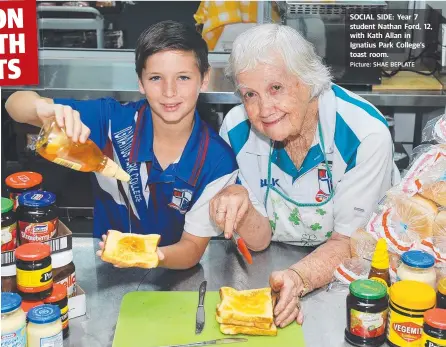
x: 9, y: 279
x: 64, y: 271
x: 8, y: 225
x: 37, y: 216
x: 22, y: 182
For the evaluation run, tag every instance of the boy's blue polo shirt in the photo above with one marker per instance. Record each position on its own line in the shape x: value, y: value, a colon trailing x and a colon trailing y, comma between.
x: 164, y: 202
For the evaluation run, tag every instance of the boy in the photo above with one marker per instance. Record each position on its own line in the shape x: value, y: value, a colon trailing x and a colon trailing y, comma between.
x: 175, y: 161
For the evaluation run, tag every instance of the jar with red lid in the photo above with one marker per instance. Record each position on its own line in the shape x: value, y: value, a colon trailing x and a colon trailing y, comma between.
x: 34, y: 271
x: 59, y: 297
x: 37, y: 216
x: 29, y: 304
x: 434, y: 328
x: 22, y: 182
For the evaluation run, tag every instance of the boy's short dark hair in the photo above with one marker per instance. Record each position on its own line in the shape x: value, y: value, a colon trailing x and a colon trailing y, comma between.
x: 170, y: 35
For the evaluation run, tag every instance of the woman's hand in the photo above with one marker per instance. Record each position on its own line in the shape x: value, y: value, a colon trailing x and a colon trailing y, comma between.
x: 288, y: 286
x: 102, y: 244
x: 228, y: 208
x: 65, y: 117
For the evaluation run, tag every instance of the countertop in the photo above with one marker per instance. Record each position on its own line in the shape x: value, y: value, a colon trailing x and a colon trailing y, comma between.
x: 105, y: 286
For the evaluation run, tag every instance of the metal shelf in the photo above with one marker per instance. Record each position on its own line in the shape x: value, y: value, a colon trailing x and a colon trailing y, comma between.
x: 96, y: 23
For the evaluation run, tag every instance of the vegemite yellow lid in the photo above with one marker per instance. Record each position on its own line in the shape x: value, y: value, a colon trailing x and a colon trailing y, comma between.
x: 412, y: 295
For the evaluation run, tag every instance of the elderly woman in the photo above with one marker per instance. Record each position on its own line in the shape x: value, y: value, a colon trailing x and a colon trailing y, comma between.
x: 314, y: 160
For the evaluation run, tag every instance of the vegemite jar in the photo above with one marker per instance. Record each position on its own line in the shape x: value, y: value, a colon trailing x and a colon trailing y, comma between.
x: 9, y: 226
x: 409, y: 300
x: 37, y: 216
x: 367, y: 308
x: 434, y: 328
x: 34, y: 271
x: 22, y: 182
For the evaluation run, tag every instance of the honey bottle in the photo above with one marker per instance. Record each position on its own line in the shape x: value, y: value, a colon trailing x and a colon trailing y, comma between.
x: 54, y: 145
x: 380, y: 264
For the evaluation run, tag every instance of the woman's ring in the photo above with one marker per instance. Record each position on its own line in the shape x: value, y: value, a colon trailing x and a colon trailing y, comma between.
x: 298, y: 306
x: 221, y: 211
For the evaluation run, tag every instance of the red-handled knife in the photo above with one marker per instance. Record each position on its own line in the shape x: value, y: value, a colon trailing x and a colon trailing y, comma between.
x: 241, y: 246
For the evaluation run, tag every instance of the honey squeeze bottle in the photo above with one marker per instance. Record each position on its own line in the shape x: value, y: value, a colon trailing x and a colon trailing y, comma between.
x: 54, y: 145
x: 380, y: 264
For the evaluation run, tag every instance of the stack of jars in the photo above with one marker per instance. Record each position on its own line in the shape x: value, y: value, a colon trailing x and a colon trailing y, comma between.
x: 407, y: 313
x: 31, y: 216
x: 33, y: 275
x: 42, y: 324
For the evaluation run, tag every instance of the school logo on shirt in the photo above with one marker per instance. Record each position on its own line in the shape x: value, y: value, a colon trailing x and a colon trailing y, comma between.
x: 325, y: 186
x: 181, y: 199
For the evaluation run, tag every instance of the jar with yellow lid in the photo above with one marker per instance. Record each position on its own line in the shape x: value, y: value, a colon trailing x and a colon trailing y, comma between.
x: 441, y: 295
x: 409, y: 300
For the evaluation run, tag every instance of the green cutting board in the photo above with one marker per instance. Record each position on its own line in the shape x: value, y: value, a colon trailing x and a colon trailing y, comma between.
x: 155, y: 319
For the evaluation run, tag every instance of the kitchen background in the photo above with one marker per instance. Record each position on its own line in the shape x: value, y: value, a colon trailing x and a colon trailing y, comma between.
x: 86, y: 51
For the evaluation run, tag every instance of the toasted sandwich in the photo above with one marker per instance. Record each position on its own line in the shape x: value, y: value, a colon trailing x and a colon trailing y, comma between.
x: 131, y: 250
x: 248, y: 312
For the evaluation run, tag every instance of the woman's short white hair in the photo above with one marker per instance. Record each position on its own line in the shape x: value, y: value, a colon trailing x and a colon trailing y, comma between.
x: 258, y: 44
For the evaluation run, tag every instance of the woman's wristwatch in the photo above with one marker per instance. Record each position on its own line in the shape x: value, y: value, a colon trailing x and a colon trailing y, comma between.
x: 306, y: 284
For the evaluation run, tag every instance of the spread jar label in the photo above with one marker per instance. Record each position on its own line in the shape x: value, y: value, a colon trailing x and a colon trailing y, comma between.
x: 68, y: 163
x: 34, y: 281
x: 9, y: 238
x: 15, y: 338
x: 408, y: 331
x: 37, y: 232
x: 367, y: 325
x: 64, y: 317
x: 53, y: 341
x: 429, y: 341
x: 70, y: 284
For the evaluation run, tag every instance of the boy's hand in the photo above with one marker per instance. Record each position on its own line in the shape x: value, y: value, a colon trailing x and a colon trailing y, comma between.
x: 65, y: 117
x: 102, y: 244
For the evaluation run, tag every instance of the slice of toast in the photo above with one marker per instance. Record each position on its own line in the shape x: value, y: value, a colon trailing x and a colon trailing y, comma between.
x: 241, y: 323
x: 237, y: 329
x: 254, y: 305
x: 131, y: 250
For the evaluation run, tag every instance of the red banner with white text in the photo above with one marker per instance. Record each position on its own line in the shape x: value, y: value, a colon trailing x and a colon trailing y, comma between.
x: 19, y: 65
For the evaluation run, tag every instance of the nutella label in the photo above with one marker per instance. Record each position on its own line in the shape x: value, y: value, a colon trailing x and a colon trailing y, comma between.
x: 70, y: 284
x: 37, y: 232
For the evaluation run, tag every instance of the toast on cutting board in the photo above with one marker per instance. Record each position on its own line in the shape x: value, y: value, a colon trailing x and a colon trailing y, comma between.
x: 248, y: 312
x: 131, y: 250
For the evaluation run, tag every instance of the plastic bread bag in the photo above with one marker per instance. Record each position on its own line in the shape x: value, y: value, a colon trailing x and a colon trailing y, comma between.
x: 363, y: 245
x: 423, y: 159
x: 435, y: 130
x: 432, y: 183
x: 404, y: 221
x: 350, y: 270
